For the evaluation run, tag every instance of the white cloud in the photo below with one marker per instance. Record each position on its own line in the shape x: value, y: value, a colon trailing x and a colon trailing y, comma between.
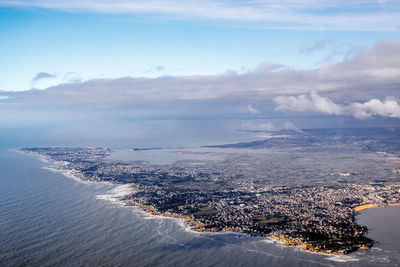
x: 4, y: 97
x: 317, y: 103
x: 371, y: 75
x: 302, y: 103
x: 252, y: 110
x: 44, y: 80
x: 375, y: 107
x: 290, y: 126
x: 367, y: 15
x: 266, y: 126
x: 258, y: 126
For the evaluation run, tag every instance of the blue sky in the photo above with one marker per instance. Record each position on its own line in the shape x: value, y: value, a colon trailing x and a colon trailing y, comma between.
x: 336, y: 61
x: 75, y: 41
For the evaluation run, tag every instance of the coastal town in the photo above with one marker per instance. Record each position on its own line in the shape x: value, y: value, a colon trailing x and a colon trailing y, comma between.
x: 320, y: 218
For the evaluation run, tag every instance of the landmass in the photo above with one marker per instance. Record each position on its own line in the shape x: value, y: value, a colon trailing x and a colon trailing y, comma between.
x: 303, y: 188
x: 320, y: 218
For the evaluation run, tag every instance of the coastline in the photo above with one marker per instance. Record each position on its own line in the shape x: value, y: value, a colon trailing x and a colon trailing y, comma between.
x: 194, y: 225
x: 371, y: 206
x: 199, y: 228
x: 40, y: 157
x: 186, y: 220
x: 287, y: 241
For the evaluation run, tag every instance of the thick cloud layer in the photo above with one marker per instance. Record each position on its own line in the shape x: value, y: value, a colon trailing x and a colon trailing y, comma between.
x: 375, y: 107
x: 303, y: 103
x: 317, y: 103
x: 361, y: 87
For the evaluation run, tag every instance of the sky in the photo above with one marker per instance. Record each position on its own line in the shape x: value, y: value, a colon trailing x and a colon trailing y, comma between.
x: 213, y: 58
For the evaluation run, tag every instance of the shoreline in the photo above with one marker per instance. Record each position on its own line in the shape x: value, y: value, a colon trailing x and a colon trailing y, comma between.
x: 194, y: 225
x: 198, y: 227
x: 186, y: 220
x: 372, y: 206
x: 287, y: 241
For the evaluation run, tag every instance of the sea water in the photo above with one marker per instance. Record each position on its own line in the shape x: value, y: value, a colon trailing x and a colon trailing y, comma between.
x: 47, y: 218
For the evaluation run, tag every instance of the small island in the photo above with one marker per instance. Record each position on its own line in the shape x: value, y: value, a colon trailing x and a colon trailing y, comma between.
x: 319, y: 218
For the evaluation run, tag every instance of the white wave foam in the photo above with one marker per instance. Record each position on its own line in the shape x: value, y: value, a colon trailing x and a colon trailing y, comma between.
x: 336, y: 258
x: 382, y: 259
x: 53, y: 165
x: 40, y: 157
x: 179, y: 221
x: 114, y: 195
x: 279, y: 243
x: 67, y: 173
x: 186, y: 227
x: 147, y: 216
x: 269, y: 240
x: 342, y: 258
x: 44, y: 159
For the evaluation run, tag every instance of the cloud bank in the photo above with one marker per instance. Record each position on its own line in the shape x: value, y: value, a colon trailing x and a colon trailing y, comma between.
x: 317, y: 103
x: 303, y: 103
x: 366, y: 15
x: 359, y: 87
x: 375, y: 107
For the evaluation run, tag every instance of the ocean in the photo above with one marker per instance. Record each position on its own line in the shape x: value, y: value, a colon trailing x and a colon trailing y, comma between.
x: 49, y: 219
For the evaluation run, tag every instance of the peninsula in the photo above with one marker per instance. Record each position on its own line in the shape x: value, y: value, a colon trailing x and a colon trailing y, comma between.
x: 320, y: 218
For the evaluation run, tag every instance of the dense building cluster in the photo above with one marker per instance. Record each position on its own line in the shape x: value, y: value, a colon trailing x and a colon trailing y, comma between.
x: 317, y: 217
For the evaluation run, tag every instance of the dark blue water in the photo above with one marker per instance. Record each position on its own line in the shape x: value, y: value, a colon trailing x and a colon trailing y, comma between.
x: 48, y: 219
